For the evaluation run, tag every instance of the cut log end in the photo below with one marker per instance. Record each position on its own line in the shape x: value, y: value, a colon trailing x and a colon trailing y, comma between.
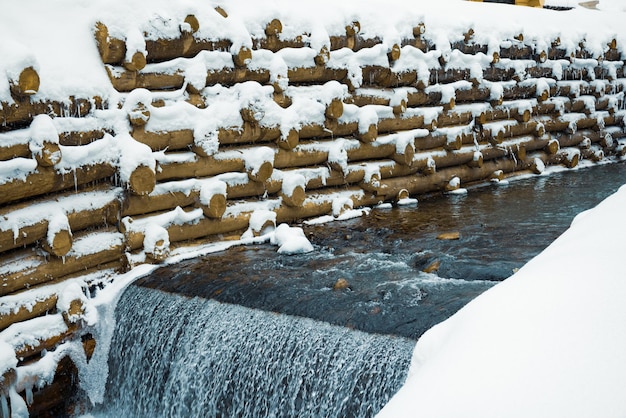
x: 221, y: 11
x: 27, y: 83
x: 290, y: 141
x: 453, y: 144
x: 137, y: 62
x: 353, y: 28
x: 400, y: 108
x: 495, y: 58
x: 216, y: 207
x: 274, y: 27
x: 139, y: 116
x: 370, y: 135
x: 60, y: 245
x: 323, y: 56
x: 394, y: 53
x: 261, y: 173
x: 49, y: 156
x: 242, y: 57
x: 419, y: 30
x: 407, y: 157
x: 296, y: 198
x: 334, y: 110
x: 552, y: 147
x: 193, y: 23
x: 142, y: 180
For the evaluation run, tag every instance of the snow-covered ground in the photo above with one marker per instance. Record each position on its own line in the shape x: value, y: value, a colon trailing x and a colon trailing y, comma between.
x: 547, y: 342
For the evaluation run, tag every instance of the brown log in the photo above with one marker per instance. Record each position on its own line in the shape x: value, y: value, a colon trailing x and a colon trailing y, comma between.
x: 46, y: 180
x: 78, y: 220
x: 9, y: 152
x: 42, y: 344
x: 419, y: 184
x: 142, y: 180
x: 22, y: 111
x: 137, y: 62
x: 112, y: 50
x: 49, y: 155
x: 27, y: 83
x: 318, y: 74
x: 566, y: 156
x: 289, y: 141
x: 60, y: 244
x: 322, y: 57
x: 42, y: 270
x: 334, y: 109
x: 40, y: 306
x: 162, y: 140
x: 204, y: 227
x: 139, y: 115
x: 296, y: 198
x: 369, y: 135
x: 242, y: 57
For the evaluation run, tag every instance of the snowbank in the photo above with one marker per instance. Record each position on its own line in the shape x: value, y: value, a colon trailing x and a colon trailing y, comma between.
x: 547, y: 342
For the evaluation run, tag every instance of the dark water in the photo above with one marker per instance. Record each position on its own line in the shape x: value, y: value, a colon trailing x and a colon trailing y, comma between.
x: 178, y: 357
x: 382, y: 255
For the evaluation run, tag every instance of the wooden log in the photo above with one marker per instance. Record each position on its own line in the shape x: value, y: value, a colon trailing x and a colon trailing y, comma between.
x: 419, y: 184
x: 8, y: 152
x: 136, y: 62
x: 46, y: 180
x: 43, y: 270
x: 21, y: 112
x: 112, y: 50
x: 30, y: 309
x: 78, y: 220
x: 295, y: 197
x: 212, y: 199
x: 26, y: 85
x: 201, y: 228
x: 334, y: 109
x: 58, y: 242
x: 318, y: 74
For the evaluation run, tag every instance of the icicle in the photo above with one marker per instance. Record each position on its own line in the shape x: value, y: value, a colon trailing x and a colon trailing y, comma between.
x: 29, y: 395
x: 5, y: 406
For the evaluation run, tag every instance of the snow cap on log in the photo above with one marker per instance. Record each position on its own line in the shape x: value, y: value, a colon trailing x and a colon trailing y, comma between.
x: 58, y: 240
x: 259, y: 163
x: 213, y: 198
x: 44, y: 141
x: 293, y: 189
x: 137, y: 165
x: 156, y: 242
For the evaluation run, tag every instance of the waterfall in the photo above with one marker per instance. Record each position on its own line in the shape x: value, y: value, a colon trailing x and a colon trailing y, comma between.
x: 176, y: 356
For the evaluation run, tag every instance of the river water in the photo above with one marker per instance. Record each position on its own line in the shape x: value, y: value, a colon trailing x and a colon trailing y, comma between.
x: 382, y: 255
x: 249, y: 332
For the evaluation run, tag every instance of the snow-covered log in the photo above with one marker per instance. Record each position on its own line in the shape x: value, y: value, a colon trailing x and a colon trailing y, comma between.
x: 419, y: 183
x: 22, y: 112
x: 28, y: 309
x: 46, y: 180
x: 88, y: 251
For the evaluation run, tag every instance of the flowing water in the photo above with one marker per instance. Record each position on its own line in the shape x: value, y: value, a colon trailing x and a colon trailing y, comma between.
x: 382, y: 255
x: 179, y: 357
x: 235, y: 335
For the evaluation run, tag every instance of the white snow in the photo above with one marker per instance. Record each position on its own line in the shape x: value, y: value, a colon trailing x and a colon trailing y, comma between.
x: 290, y: 240
x: 546, y: 342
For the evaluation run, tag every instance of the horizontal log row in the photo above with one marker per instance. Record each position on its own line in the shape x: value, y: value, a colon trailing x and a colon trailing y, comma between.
x: 431, y: 69
x: 188, y: 42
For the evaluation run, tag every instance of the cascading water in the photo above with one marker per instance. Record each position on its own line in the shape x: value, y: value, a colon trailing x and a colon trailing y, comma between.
x: 179, y: 357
